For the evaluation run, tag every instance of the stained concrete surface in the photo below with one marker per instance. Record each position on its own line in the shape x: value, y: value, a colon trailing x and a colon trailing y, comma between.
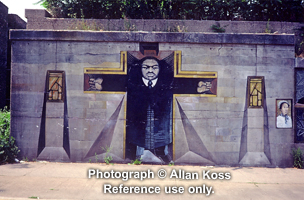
x: 70, y: 181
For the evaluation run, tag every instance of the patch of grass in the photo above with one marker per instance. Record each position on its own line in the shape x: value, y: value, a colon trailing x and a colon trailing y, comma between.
x: 297, y: 155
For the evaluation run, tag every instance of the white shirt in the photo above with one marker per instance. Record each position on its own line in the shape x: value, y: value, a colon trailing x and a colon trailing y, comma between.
x: 281, y: 122
x: 146, y: 81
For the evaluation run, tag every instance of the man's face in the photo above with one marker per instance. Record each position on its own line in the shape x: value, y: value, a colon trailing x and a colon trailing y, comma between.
x: 150, y: 69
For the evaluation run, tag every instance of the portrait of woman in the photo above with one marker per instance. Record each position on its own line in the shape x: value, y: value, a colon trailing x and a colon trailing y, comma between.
x: 284, y: 114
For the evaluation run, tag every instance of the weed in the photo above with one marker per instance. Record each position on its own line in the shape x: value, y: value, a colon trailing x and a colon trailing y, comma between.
x: 135, y: 162
x: 96, y: 157
x: 33, y: 197
x: 217, y: 28
x: 107, y: 158
x: 176, y: 28
x: 128, y: 25
x: 171, y: 164
x: 85, y: 25
x: 25, y: 159
x: 267, y: 30
x: 297, y: 158
x: 90, y: 160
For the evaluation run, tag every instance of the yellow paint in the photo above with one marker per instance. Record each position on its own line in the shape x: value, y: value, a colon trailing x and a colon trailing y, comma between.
x: 178, y: 73
x: 110, y: 67
x: 103, y: 92
x: 125, y: 131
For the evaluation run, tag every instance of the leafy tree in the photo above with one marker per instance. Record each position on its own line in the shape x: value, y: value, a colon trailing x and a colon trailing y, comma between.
x: 251, y: 10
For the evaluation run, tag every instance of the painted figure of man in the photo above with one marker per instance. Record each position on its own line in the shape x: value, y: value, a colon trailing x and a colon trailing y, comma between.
x: 149, y: 109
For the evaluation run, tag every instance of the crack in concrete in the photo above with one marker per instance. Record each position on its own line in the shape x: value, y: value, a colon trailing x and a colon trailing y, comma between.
x: 218, y: 51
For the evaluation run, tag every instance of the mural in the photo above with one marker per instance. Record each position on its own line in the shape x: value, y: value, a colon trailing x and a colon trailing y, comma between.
x: 283, y: 119
x: 151, y: 80
x: 255, y: 89
x: 149, y: 106
x: 54, y: 131
x: 299, y: 106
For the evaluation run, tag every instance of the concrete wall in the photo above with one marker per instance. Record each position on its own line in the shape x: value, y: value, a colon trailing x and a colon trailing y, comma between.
x: 41, y: 19
x: 3, y: 52
x: 15, y: 22
x: 7, y: 22
x: 218, y: 121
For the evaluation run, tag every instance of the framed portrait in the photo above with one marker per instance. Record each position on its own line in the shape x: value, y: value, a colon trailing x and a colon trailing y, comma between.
x: 284, y: 113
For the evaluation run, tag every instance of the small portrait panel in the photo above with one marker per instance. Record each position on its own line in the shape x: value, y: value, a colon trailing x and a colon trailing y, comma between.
x: 284, y: 113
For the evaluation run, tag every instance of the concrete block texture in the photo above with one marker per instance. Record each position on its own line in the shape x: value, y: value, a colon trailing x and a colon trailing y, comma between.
x: 196, y: 38
x: 217, y: 120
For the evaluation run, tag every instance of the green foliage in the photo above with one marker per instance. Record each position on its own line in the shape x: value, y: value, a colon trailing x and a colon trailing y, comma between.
x: 171, y: 164
x: 107, y: 158
x: 267, y: 30
x: 176, y: 28
x: 297, y: 158
x: 96, y: 157
x: 251, y: 10
x: 128, y: 25
x: 217, y: 28
x: 299, y: 42
x: 135, y: 162
x: 84, y: 25
x: 8, y: 149
x: 25, y: 159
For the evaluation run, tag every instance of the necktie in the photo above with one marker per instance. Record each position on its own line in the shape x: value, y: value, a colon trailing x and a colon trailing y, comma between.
x: 150, y: 84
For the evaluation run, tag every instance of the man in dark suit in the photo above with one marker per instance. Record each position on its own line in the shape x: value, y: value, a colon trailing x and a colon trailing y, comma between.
x: 149, y: 108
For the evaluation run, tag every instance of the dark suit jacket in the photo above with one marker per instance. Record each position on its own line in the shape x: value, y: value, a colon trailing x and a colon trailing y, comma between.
x: 160, y: 100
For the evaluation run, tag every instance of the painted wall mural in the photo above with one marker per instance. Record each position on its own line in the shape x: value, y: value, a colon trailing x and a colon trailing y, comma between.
x: 54, y: 131
x: 283, y: 113
x: 299, y: 106
x: 151, y: 80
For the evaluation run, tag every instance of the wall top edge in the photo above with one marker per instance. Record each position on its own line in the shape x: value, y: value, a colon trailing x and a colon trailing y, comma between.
x: 143, y: 36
